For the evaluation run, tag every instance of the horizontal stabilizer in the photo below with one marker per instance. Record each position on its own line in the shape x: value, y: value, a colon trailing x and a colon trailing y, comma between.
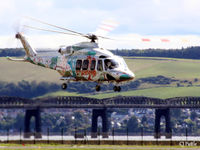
x: 13, y: 59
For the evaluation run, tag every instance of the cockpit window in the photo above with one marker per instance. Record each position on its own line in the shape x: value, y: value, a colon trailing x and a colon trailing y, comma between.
x: 110, y: 64
x: 124, y: 63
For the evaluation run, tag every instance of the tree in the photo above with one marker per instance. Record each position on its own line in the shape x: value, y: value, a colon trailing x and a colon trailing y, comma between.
x: 193, y: 115
x: 81, y: 120
x: 133, y: 124
x: 191, y: 124
x: 19, y: 121
x: 144, y: 119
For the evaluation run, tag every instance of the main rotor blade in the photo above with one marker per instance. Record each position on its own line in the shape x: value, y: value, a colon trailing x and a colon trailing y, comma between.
x: 37, y: 20
x: 36, y: 28
x: 103, y: 37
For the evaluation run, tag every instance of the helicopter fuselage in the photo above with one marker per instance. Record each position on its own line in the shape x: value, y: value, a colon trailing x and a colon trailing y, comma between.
x: 87, y: 65
x: 81, y: 62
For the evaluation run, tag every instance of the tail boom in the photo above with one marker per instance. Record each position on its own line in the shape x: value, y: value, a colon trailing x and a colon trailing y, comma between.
x: 30, y: 52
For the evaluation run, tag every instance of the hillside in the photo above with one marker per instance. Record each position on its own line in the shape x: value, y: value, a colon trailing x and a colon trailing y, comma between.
x: 154, y: 77
x: 17, y: 71
x: 141, y: 66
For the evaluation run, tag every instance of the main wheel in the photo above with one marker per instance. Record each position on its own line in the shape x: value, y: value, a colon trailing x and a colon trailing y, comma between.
x: 119, y: 89
x: 115, y: 88
x: 64, y: 86
x: 98, y: 88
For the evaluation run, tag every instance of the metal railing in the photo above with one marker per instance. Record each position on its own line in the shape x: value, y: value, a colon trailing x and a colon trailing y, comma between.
x: 85, y: 137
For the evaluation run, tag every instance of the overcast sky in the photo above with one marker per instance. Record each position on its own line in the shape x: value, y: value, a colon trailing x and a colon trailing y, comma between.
x: 178, y: 21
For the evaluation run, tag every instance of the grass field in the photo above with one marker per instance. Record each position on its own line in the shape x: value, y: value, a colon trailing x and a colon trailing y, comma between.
x: 181, y: 69
x: 141, y: 66
x: 158, y: 92
x: 90, y: 147
x: 169, y: 67
x: 16, y: 71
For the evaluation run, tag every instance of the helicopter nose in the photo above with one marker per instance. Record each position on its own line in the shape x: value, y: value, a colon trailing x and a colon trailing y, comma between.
x: 127, y: 76
x: 132, y: 76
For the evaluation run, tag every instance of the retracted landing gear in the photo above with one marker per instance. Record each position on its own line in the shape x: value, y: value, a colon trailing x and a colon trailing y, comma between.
x: 64, y: 86
x: 117, y: 88
x: 98, y: 88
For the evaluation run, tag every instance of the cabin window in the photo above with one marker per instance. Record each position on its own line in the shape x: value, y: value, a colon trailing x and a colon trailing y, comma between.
x: 93, y: 64
x: 78, y: 64
x: 85, y: 64
x: 110, y: 64
x: 100, y: 65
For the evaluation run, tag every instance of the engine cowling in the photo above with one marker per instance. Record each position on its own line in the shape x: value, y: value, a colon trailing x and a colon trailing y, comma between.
x: 66, y: 50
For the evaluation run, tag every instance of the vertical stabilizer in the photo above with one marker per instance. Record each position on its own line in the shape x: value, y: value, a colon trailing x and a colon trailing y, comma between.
x: 30, y: 52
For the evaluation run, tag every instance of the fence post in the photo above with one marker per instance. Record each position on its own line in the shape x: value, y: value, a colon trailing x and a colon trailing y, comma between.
x: 186, y: 132
x: 85, y: 135
x: 62, y: 135
x: 75, y: 134
x: 99, y: 134
x: 127, y: 135
x: 34, y: 136
x: 113, y: 135
x: 7, y: 135
x: 48, y: 135
x: 20, y: 134
x: 142, y: 135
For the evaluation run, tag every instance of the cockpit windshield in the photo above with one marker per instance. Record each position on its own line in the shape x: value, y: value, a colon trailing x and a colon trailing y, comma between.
x: 110, y: 64
x: 123, y: 63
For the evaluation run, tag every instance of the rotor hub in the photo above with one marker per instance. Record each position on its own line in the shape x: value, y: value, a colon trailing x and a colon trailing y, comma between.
x: 92, y: 37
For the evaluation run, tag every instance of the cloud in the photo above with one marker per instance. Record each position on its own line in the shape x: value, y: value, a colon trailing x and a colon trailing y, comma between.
x: 44, y: 4
x: 191, y: 7
x: 6, y: 6
x: 156, y: 2
x: 122, y: 41
x: 144, y: 17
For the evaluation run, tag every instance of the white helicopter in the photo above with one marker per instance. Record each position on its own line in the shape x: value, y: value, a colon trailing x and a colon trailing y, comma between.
x: 84, y: 61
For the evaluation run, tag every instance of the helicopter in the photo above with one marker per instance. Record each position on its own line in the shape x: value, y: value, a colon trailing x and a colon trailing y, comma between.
x: 84, y: 61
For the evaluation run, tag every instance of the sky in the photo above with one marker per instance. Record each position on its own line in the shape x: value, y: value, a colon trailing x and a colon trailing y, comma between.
x: 141, y: 23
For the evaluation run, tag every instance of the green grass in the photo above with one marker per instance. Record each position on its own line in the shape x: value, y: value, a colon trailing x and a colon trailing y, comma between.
x: 17, y: 71
x: 142, y: 67
x: 158, y: 92
x: 181, y: 69
x: 87, y: 147
x: 62, y: 93
x: 178, y: 68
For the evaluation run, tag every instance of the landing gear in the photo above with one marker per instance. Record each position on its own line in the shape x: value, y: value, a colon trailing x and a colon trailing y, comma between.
x: 64, y: 86
x: 117, y: 88
x: 98, y: 88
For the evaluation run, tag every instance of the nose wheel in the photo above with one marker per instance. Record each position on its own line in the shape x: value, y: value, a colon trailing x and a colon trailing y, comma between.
x: 64, y: 86
x: 98, y: 88
x: 117, y: 88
